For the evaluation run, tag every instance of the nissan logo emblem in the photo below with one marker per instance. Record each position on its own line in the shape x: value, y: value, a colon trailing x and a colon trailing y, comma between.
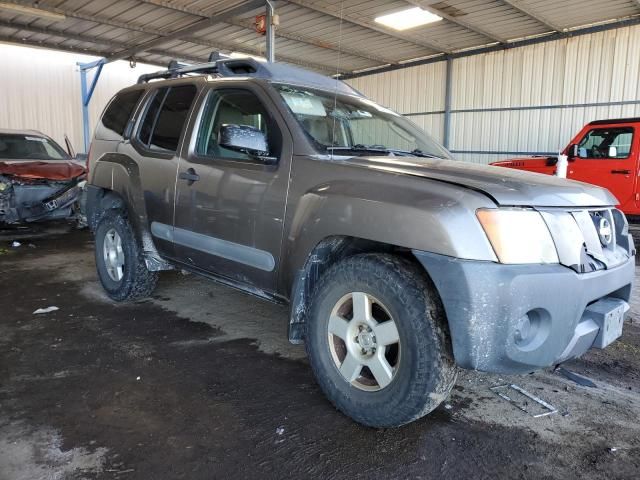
x: 604, y: 232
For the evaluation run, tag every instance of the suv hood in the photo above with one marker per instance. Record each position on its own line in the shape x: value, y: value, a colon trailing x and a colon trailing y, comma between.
x: 507, y: 187
x: 59, y: 170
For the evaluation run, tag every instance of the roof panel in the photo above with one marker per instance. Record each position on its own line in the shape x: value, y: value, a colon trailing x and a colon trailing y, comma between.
x: 573, y: 13
x: 311, y: 31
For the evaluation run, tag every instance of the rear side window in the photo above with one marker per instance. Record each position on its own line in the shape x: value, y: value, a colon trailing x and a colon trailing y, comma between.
x: 165, y: 118
x: 117, y: 115
x: 151, y: 115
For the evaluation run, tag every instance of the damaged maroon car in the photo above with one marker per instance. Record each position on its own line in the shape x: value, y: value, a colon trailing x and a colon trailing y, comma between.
x: 38, y: 179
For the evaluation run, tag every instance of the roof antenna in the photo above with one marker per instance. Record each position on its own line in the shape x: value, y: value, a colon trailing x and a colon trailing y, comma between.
x: 335, y: 93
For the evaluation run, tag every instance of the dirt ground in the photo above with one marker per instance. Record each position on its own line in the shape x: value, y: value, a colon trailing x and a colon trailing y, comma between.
x: 199, y: 382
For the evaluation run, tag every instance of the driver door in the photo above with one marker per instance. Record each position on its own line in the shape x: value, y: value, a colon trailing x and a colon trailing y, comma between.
x: 607, y: 156
x: 229, y: 205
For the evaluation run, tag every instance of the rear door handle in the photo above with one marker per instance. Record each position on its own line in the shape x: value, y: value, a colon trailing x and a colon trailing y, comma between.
x: 621, y: 172
x: 190, y: 176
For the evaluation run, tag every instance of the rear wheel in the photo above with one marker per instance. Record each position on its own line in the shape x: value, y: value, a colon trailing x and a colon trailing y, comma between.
x: 119, y: 261
x: 377, y: 340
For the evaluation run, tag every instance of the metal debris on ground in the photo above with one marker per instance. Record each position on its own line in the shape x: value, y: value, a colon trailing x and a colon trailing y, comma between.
x: 506, y: 392
x: 46, y: 310
x: 280, y: 430
x: 579, y: 379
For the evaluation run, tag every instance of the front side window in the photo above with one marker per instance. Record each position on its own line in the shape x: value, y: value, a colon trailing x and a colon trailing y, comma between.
x: 117, y: 115
x: 233, y: 107
x: 29, y: 147
x: 606, y: 143
x: 353, y: 124
x: 165, y: 118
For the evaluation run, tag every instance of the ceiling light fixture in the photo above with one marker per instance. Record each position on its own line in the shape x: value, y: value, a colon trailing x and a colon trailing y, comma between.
x: 406, y: 19
x: 31, y: 11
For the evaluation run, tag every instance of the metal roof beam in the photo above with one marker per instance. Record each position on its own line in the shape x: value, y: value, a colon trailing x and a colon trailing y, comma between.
x: 289, y: 35
x: 149, y: 31
x: 91, y: 18
x: 522, y: 8
x: 335, y: 12
x: 83, y: 38
x: 280, y: 32
x: 243, y: 8
x: 84, y: 51
x: 480, y: 31
x: 33, y: 43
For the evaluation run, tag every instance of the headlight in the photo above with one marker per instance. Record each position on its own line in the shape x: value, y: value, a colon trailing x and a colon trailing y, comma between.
x: 518, y: 235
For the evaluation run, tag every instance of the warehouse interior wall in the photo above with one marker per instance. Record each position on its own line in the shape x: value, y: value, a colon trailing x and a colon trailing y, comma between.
x: 513, y: 102
x: 40, y: 90
x: 524, y: 100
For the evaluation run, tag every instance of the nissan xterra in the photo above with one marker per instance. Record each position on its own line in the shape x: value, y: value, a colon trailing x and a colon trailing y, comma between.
x: 399, y: 264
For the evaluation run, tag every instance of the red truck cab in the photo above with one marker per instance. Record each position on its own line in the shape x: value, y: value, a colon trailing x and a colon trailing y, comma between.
x: 604, y: 153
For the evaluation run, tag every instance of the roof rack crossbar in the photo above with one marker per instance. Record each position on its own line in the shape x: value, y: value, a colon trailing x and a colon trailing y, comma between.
x: 177, y: 70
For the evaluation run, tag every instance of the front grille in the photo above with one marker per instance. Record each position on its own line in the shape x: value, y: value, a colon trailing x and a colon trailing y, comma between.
x: 590, y: 240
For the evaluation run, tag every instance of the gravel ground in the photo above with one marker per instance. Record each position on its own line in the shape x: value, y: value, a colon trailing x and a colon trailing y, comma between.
x: 200, y: 382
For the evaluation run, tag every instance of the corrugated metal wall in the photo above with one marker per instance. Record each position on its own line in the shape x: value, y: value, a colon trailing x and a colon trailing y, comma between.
x: 410, y: 91
x: 562, y: 76
x: 40, y: 89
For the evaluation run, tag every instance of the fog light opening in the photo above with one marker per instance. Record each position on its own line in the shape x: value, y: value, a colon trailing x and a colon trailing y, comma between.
x: 532, y: 329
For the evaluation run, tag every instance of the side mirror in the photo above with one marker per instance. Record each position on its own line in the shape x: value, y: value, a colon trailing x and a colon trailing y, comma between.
x: 572, y: 151
x: 246, y: 139
x: 70, y: 150
x: 613, y: 152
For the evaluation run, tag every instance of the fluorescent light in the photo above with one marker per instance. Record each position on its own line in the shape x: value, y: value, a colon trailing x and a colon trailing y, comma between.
x: 406, y: 19
x: 32, y: 12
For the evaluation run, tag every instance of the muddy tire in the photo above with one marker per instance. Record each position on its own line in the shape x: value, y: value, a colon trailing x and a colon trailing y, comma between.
x: 378, y: 342
x: 119, y: 260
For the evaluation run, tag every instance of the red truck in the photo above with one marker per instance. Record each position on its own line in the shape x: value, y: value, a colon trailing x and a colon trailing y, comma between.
x: 604, y: 153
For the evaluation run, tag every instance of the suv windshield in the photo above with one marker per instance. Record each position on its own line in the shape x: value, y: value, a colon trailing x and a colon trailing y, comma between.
x: 22, y: 146
x: 348, y: 124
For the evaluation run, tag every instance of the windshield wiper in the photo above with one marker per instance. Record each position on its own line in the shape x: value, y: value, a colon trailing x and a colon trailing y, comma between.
x: 382, y: 149
x: 416, y: 152
x: 360, y: 148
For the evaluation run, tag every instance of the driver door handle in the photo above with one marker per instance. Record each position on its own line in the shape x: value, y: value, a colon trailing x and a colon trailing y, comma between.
x: 621, y: 172
x: 190, y: 176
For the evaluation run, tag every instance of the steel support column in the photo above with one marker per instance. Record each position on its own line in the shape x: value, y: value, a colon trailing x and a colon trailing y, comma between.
x: 87, y: 92
x: 271, y: 36
x: 447, y: 104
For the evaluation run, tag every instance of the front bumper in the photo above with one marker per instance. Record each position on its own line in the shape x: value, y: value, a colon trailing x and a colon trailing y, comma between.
x: 520, y: 318
x: 33, y: 203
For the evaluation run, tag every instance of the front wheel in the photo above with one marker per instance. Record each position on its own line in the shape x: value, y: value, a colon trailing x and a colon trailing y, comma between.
x: 121, y: 267
x: 377, y: 340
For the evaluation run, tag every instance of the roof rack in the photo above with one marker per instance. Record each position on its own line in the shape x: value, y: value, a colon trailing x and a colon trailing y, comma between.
x: 220, y: 66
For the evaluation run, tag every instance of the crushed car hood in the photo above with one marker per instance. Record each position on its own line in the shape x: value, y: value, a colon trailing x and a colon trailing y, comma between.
x: 507, y: 187
x: 59, y: 170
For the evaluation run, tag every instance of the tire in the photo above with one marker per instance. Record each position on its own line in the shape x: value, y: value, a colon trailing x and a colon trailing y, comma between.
x: 134, y: 281
x: 419, y: 371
